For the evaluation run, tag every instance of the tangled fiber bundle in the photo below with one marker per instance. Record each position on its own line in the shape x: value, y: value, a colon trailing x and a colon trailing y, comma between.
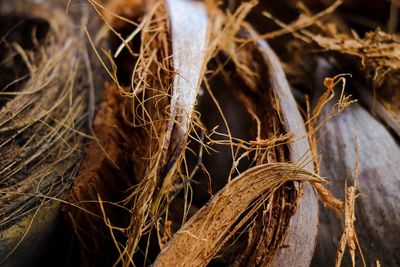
x: 43, y: 111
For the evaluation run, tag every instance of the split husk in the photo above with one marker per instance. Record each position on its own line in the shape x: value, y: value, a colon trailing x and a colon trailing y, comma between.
x: 372, y: 60
x: 373, y: 57
x: 377, y: 59
x: 206, y: 232
x: 163, y: 209
x: 266, y: 239
x: 156, y: 139
x: 154, y: 76
x: 168, y: 77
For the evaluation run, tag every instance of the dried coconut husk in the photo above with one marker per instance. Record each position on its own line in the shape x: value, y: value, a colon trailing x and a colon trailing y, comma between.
x: 261, y: 212
x: 337, y: 147
x: 167, y: 78
x: 158, y: 135
x: 205, y: 234
x: 95, y: 197
x: 375, y: 57
x: 157, y: 75
x: 376, y: 209
x: 42, y: 114
x: 378, y: 52
x: 378, y: 64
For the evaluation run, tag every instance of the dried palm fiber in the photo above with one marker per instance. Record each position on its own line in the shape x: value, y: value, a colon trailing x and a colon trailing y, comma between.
x: 159, y: 71
x: 173, y: 92
x: 374, y: 56
x: 43, y: 111
x: 376, y: 209
x: 364, y: 52
x: 377, y: 60
x: 378, y: 57
x: 274, y: 237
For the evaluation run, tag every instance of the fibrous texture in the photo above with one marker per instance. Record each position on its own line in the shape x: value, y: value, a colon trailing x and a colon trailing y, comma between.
x: 43, y: 111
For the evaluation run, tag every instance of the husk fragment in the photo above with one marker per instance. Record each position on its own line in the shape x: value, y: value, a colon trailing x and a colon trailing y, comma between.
x: 375, y: 57
x: 378, y: 52
x: 271, y: 222
x: 184, y: 73
x: 305, y: 219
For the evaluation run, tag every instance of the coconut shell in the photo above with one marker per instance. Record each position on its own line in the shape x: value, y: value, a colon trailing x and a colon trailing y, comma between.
x: 377, y: 208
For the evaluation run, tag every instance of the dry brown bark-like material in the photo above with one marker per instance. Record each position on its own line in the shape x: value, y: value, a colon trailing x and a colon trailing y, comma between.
x: 275, y: 219
x: 161, y: 135
x: 159, y: 72
x: 43, y: 111
x: 376, y: 57
x: 379, y: 150
x: 305, y: 220
x: 376, y: 53
x: 267, y: 215
x: 162, y: 71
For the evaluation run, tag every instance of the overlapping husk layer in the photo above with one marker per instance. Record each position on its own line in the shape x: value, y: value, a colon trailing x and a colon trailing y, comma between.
x: 43, y: 113
x: 153, y: 121
x: 210, y: 139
